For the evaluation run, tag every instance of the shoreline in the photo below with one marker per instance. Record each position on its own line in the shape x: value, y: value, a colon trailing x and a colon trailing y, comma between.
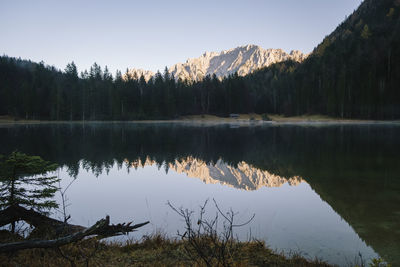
x: 243, y: 119
x: 155, y: 249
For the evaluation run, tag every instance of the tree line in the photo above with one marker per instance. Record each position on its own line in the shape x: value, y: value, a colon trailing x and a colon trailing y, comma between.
x: 35, y: 91
x: 353, y: 73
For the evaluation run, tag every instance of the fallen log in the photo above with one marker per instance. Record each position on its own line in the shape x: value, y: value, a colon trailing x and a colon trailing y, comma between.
x: 17, y: 213
x: 101, y: 228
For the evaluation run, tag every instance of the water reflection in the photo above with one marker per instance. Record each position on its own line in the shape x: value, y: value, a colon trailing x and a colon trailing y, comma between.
x: 289, y: 218
x: 244, y: 176
x: 347, y: 177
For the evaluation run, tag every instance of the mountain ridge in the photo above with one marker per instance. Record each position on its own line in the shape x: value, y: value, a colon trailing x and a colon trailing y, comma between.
x: 242, y: 60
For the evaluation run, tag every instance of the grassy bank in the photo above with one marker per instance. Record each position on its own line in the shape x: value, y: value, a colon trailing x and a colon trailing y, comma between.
x: 150, y: 251
x: 10, y: 119
x: 309, y: 118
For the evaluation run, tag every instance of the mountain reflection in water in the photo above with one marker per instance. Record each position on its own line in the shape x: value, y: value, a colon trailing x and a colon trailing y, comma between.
x: 244, y: 176
x: 354, y: 169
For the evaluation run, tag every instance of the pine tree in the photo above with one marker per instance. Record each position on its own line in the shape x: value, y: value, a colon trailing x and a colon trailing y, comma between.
x: 25, y: 181
x: 71, y: 87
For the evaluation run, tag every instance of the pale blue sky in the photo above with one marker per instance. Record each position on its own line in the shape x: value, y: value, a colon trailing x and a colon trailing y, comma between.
x: 154, y: 34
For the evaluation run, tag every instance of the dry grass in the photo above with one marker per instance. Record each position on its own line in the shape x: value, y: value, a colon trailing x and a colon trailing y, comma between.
x: 305, y: 118
x: 10, y: 119
x: 156, y: 250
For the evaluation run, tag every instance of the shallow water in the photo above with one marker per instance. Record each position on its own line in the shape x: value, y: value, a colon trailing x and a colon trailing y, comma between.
x: 331, y: 191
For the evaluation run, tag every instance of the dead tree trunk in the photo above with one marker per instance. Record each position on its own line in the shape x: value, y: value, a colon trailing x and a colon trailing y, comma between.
x: 102, y: 229
x: 17, y: 213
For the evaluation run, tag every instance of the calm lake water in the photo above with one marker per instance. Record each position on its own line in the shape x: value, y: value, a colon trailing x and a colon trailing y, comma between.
x: 326, y: 191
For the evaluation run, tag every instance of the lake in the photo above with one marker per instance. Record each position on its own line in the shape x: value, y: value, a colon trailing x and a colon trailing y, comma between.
x: 330, y: 191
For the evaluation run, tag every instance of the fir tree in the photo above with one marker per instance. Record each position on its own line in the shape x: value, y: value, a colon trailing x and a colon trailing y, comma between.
x: 25, y: 181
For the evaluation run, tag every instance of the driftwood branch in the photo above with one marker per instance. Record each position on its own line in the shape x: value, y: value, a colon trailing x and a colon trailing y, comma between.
x: 102, y: 229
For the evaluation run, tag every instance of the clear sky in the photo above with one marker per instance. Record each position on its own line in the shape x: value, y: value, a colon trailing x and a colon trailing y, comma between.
x: 154, y: 34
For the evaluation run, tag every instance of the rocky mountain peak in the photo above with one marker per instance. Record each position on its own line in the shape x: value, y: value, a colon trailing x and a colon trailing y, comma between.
x: 242, y: 60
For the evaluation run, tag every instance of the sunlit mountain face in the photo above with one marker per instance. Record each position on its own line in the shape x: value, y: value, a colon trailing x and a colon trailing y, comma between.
x: 242, y: 60
x: 340, y: 179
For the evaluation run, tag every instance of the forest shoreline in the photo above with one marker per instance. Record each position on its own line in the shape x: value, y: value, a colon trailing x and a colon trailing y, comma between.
x: 242, y: 119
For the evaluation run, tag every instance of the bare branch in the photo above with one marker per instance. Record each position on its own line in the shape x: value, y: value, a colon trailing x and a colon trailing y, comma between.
x: 232, y: 215
x: 212, y: 247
